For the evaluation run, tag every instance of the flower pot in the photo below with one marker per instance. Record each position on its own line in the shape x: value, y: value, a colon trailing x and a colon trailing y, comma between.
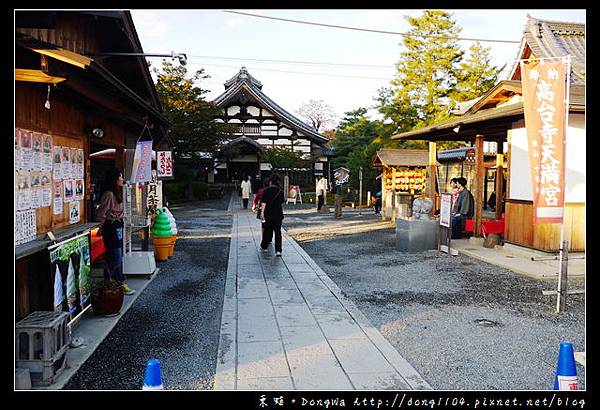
x: 172, y: 248
x: 162, y: 247
x: 107, y: 301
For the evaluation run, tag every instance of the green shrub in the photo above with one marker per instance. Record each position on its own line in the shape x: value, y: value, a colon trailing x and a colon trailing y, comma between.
x: 173, y: 190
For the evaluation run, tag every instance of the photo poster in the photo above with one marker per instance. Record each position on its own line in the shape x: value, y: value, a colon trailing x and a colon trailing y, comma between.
x: 68, y: 190
x: 79, y: 189
x: 56, y: 163
x: 74, y: 212
x: 57, y: 199
x: 70, y: 270
x: 142, y: 162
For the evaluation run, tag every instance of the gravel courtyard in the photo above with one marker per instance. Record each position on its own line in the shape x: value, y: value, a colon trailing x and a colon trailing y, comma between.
x: 462, y: 323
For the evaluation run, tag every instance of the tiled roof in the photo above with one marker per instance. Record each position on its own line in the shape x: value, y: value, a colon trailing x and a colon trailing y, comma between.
x: 244, y: 81
x: 554, y: 39
x: 401, y: 157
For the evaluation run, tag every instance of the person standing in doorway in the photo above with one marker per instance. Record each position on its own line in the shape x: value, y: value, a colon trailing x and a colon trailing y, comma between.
x: 246, y: 190
x: 454, y: 190
x: 110, y: 214
x: 272, y: 214
x: 320, y: 193
x: 463, y: 208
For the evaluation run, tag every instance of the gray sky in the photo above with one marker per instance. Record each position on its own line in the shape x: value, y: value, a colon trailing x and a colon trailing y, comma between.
x: 219, y: 42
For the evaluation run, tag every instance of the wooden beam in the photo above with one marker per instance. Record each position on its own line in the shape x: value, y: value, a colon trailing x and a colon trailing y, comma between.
x: 478, y: 189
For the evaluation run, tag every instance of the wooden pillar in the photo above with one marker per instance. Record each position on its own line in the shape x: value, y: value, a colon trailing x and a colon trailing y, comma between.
x: 478, y: 189
x: 432, y: 176
x: 394, y: 215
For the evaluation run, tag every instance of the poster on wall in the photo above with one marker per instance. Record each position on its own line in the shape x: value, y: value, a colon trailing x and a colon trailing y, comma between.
x: 79, y: 189
x: 68, y: 190
x: 47, y: 153
x: 70, y: 273
x: 164, y: 164
x: 142, y: 162
x: 37, y: 151
x: 74, y: 212
x: 26, y: 150
x: 57, y: 199
x: 65, y: 163
x: 25, y: 226
x: 56, y: 163
x: 80, y: 163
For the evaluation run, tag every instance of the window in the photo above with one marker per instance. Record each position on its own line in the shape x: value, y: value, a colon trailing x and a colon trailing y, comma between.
x: 249, y: 129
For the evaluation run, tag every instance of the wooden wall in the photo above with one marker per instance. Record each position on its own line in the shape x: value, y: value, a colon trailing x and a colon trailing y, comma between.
x: 67, y: 122
x: 519, y: 227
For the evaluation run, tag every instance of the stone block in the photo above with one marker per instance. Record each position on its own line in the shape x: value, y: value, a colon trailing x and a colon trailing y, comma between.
x: 416, y: 236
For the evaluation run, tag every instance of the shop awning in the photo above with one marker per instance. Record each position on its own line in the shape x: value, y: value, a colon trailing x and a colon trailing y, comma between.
x: 36, y: 76
x: 53, y: 51
x: 401, y: 157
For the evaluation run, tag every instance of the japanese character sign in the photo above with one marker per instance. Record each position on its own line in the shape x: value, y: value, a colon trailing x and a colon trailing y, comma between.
x: 544, y: 89
x: 164, y: 164
x: 142, y: 162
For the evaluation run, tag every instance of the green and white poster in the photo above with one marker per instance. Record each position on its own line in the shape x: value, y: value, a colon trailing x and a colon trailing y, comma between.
x: 70, y: 270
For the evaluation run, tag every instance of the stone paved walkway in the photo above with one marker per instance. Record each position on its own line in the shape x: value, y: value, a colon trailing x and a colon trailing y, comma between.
x: 286, y: 325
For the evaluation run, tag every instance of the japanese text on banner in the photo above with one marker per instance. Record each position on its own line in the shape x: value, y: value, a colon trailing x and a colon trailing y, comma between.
x: 544, y: 85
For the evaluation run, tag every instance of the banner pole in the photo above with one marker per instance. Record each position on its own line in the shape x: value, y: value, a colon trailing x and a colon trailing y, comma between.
x: 559, y: 294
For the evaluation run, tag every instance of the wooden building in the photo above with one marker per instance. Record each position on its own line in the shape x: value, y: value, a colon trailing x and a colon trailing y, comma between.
x: 77, y: 102
x: 404, y: 175
x: 498, y: 117
x: 263, y: 123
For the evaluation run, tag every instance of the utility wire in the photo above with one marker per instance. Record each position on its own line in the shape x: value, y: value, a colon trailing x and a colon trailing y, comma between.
x: 294, y: 61
x: 368, y: 30
x: 294, y: 72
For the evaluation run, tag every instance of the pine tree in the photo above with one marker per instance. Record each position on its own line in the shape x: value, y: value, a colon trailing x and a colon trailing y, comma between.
x: 476, y: 75
x: 427, y: 70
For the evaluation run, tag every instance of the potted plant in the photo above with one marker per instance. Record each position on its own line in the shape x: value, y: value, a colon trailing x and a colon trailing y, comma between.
x: 107, y: 298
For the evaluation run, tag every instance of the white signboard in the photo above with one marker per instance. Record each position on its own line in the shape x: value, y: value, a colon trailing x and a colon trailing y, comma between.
x: 445, y: 209
x: 164, y: 164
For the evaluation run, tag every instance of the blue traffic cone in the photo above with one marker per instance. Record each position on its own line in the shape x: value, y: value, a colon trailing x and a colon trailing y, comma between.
x: 566, y: 372
x: 153, y: 376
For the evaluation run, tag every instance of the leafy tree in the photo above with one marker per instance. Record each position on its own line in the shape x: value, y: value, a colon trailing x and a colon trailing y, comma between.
x: 476, y: 75
x: 319, y: 113
x: 195, y: 133
x: 282, y: 158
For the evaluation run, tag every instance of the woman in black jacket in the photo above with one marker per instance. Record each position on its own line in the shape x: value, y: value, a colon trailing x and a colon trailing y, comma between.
x: 271, y: 213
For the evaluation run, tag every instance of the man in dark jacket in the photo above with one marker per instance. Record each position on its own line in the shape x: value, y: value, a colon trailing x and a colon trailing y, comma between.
x: 463, y: 208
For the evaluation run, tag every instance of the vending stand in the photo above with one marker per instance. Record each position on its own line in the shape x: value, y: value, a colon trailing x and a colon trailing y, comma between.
x: 404, y: 176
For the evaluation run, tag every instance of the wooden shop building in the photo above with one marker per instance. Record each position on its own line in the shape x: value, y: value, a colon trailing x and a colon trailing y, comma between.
x: 74, y: 103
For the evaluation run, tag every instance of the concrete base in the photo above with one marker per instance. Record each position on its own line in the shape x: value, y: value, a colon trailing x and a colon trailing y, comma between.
x: 22, y: 379
x: 139, y: 263
x: 416, y: 236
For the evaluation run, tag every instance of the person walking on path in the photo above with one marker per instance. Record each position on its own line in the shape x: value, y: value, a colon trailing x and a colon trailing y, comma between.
x: 110, y: 214
x: 246, y: 190
x: 256, y: 202
x: 271, y: 213
x: 463, y: 208
x: 337, y: 194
